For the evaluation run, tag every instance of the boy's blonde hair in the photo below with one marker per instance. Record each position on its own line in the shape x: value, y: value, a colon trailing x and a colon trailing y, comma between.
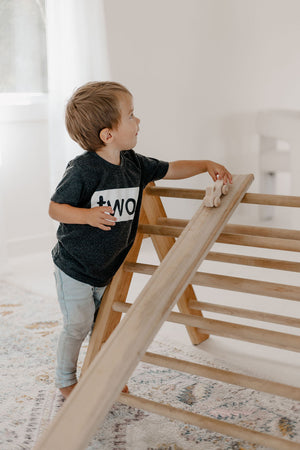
x: 91, y: 108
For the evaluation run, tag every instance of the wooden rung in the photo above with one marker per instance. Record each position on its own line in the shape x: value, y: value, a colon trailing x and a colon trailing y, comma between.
x: 208, y: 423
x: 225, y: 376
x: 254, y: 199
x: 246, y: 313
x: 230, y: 330
x: 246, y: 285
x: 195, y: 194
x: 160, y: 230
x: 291, y: 245
x: 255, y: 261
x: 246, y: 260
x: 282, y: 233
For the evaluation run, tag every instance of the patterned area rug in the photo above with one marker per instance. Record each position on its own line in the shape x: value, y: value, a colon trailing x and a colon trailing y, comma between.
x: 29, y: 400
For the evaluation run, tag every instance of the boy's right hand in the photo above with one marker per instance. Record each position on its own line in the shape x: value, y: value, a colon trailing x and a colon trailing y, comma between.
x: 101, y: 217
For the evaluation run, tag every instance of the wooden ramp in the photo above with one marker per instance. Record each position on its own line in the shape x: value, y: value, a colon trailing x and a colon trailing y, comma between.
x: 106, y: 371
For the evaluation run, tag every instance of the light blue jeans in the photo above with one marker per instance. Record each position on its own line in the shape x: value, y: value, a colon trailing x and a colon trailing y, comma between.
x: 79, y: 303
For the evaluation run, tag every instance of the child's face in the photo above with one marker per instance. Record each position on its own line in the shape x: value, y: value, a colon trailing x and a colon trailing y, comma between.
x: 125, y: 135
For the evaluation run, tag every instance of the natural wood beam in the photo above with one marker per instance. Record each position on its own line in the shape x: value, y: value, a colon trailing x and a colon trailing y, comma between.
x: 225, y: 376
x: 217, y: 426
x: 230, y: 330
x: 257, y: 287
x: 198, y: 194
x: 101, y: 384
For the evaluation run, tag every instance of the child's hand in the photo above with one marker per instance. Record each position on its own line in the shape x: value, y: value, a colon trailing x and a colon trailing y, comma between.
x: 217, y: 171
x: 100, y: 217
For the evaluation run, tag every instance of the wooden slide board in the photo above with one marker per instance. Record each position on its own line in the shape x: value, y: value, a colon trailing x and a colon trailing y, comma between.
x: 104, y: 379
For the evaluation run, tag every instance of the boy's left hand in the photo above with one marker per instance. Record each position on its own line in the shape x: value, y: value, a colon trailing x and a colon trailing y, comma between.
x: 218, y: 172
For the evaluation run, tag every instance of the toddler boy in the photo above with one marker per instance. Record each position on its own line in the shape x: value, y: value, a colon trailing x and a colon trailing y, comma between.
x: 97, y: 203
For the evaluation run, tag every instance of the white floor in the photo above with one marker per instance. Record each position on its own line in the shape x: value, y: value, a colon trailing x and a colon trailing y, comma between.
x: 34, y: 273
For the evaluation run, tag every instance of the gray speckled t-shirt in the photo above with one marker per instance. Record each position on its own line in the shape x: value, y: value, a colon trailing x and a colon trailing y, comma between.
x: 87, y: 253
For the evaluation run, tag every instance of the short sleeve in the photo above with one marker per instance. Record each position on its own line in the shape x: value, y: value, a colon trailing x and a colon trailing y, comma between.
x: 70, y: 188
x: 152, y: 169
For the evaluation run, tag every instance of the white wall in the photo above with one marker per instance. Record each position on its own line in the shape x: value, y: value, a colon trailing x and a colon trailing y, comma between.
x: 201, y: 69
x: 24, y: 171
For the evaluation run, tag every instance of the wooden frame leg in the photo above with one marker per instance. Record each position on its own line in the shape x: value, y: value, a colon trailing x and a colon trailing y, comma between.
x: 107, y: 319
x: 154, y: 210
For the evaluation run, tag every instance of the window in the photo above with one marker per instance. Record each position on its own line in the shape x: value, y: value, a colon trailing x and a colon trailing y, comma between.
x: 23, y: 56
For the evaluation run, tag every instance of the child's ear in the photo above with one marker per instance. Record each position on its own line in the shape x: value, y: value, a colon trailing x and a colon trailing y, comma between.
x: 105, y: 135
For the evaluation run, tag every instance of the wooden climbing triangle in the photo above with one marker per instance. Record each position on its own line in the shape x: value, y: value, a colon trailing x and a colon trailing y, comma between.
x: 117, y: 346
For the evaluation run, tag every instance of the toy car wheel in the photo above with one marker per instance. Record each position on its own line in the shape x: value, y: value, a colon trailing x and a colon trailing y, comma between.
x: 225, y: 189
x: 217, y: 202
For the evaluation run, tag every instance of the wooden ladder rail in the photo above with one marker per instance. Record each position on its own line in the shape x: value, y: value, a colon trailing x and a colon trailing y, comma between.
x: 154, y: 211
x: 101, y: 384
x: 107, y: 318
x: 291, y: 201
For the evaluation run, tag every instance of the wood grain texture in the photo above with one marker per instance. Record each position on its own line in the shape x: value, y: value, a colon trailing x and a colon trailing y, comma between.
x: 291, y: 245
x: 214, y: 425
x: 224, y: 376
x: 154, y: 209
x: 246, y: 313
x: 101, y: 384
x: 230, y: 330
x: 252, y: 230
x: 237, y: 284
x: 292, y: 201
x: 107, y: 319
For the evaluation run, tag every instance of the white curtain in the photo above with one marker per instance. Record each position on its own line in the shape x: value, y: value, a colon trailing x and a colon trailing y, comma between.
x: 77, y: 53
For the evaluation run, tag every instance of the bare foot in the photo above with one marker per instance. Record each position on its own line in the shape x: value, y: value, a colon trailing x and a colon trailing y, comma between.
x: 66, y: 391
x: 125, y: 389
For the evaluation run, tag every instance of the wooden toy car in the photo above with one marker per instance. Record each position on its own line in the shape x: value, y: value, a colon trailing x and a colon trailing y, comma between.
x: 213, y: 194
